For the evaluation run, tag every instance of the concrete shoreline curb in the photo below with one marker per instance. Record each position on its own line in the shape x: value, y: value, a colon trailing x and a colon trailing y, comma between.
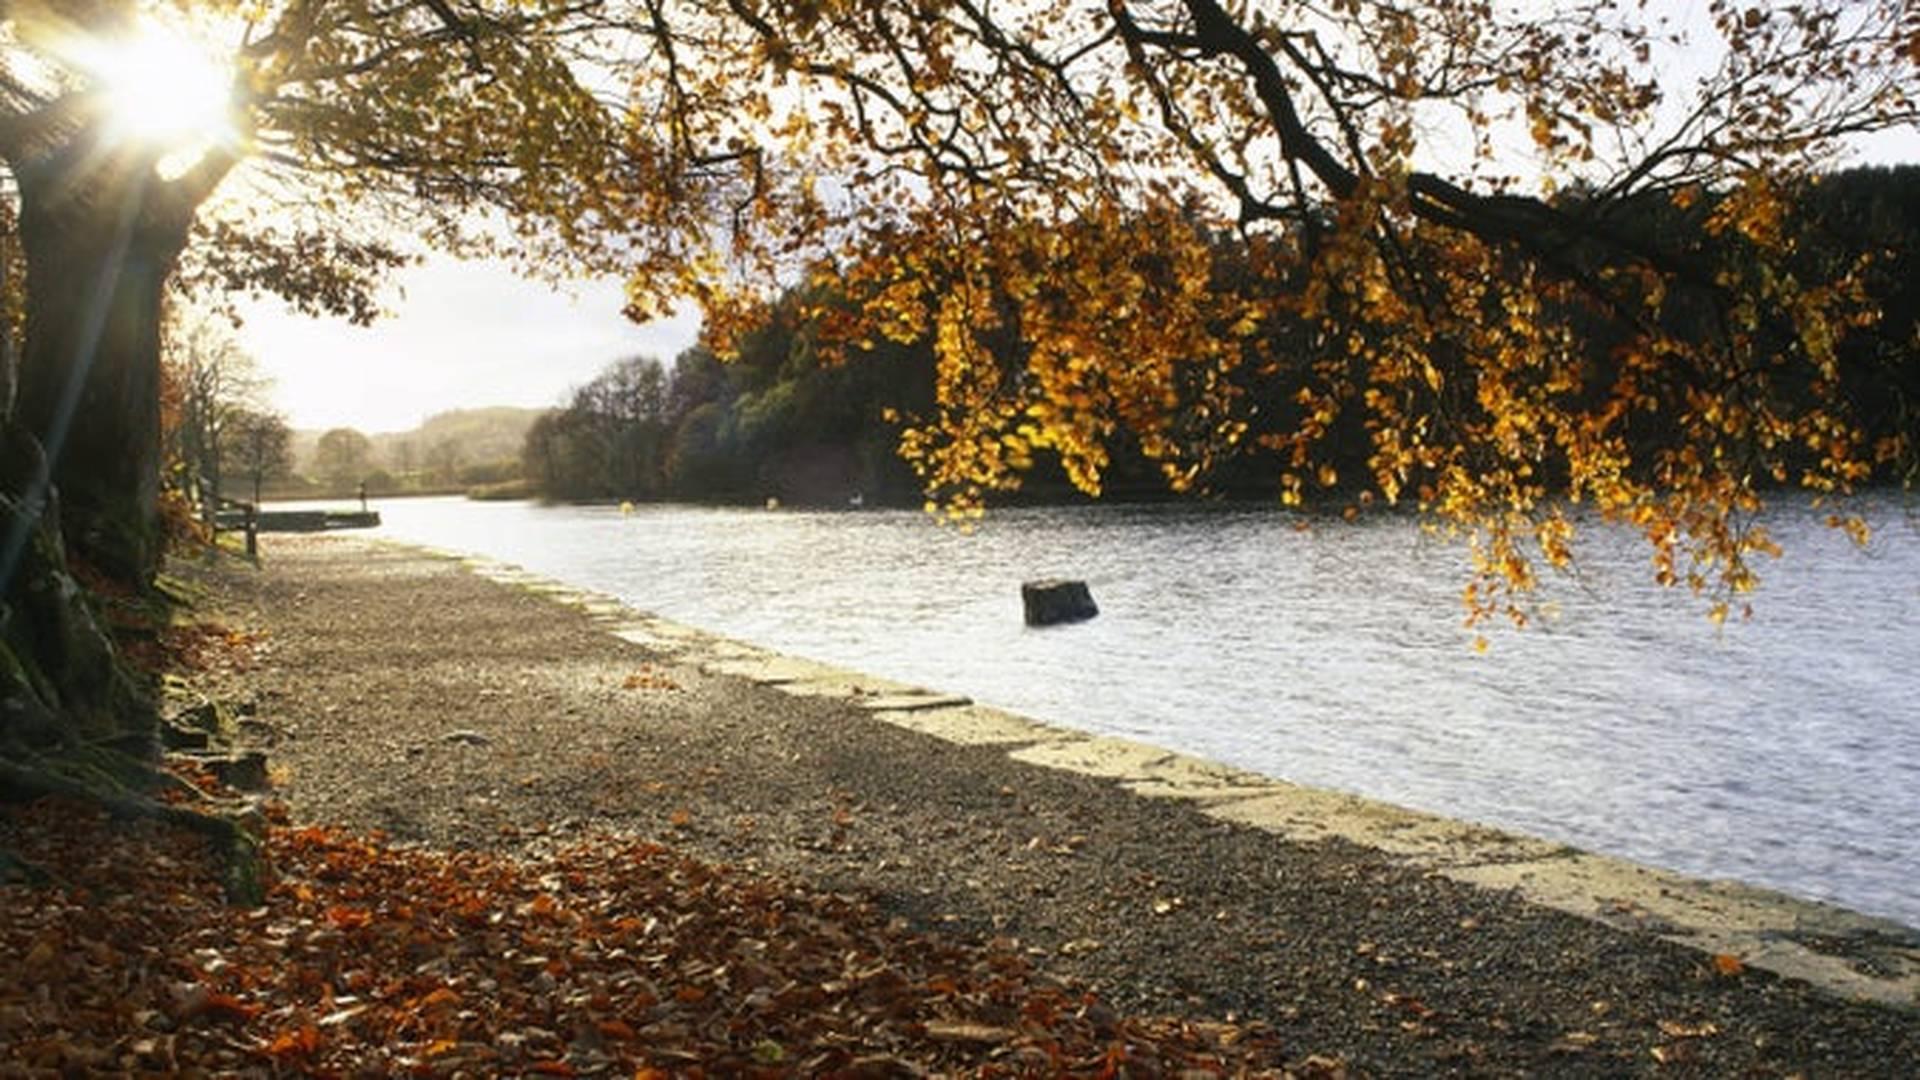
x: 1845, y: 953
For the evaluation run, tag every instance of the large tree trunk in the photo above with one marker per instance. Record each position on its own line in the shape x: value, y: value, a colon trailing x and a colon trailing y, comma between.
x: 60, y: 683
x: 80, y: 453
x: 100, y: 244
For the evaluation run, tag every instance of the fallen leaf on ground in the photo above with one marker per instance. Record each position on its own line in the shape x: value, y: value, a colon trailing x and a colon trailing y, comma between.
x: 649, y: 678
x: 435, y: 963
x: 960, y: 1031
x: 1678, y: 1030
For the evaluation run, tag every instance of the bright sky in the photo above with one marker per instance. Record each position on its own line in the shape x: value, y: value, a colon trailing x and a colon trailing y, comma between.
x: 461, y: 335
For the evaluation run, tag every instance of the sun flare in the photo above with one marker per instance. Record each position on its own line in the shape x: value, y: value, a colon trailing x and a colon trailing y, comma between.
x: 160, y: 89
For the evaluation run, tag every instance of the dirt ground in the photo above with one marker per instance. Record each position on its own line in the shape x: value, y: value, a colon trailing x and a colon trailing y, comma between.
x: 397, y: 690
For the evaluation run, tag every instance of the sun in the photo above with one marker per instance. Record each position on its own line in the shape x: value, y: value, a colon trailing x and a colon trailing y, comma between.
x: 160, y: 89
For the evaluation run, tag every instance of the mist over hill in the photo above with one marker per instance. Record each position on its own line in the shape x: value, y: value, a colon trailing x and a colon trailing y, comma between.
x: 449, y: 449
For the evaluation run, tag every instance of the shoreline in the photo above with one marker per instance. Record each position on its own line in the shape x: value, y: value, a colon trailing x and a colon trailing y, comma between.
x: 1621, y: 722
x: 454, y: 702
x: 1761, y: 927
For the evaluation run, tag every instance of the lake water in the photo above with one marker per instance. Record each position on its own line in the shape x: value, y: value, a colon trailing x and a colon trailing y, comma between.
x: 1783, y: 751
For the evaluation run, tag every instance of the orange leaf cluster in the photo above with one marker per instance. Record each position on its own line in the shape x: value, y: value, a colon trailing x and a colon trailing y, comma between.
x: 649, y: 678
x: 607, y: 956
x: 203, y: 646
x: 1195, y: 231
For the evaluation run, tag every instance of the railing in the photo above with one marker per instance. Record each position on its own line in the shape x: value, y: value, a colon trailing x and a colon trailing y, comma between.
x: 234, y: 515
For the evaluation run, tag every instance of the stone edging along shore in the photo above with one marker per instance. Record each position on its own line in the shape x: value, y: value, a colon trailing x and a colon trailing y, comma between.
x: 1846, y: 953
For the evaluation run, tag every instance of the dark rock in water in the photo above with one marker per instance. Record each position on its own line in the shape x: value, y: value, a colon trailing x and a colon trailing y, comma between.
x: 1054, y: 601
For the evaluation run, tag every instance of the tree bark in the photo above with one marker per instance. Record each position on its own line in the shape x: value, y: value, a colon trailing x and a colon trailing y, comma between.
x: 80, y: 454
x: 60, y: 682
x: 100, y: 244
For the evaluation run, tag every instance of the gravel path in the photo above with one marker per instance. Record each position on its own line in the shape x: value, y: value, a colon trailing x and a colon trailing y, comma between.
x: 399, y: 691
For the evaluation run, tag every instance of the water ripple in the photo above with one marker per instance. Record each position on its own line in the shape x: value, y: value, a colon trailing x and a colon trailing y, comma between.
x: 1783, y: 751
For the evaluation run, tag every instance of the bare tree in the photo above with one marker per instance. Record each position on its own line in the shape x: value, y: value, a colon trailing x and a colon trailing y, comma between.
x: 217, y: 383
x: 257, y: 444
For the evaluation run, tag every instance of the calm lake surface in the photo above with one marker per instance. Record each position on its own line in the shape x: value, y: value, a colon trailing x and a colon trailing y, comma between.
x: 1783, y: 751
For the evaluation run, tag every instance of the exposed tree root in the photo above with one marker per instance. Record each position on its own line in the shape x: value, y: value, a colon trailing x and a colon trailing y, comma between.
x: 120, y: 784
x: 15, y: 870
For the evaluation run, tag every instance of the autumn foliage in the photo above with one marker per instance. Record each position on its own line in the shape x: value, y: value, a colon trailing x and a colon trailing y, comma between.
x: 1439, y: 219
x: 595, y: 957
x: 1435, y: 208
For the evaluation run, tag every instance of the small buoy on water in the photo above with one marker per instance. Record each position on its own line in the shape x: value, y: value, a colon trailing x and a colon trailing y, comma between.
x: 626, y: 509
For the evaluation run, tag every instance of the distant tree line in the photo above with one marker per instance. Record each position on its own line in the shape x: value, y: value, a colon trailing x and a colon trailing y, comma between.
x: 223, y: 441
x: 782, y: 421
x: 471, y: 451
x: 776, y: 422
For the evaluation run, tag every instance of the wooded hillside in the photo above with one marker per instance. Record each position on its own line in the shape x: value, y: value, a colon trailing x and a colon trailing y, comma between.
x: 460, y: 447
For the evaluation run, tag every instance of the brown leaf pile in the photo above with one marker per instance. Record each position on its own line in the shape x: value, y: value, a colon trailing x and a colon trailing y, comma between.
x: 196, y: 647
x: 606, y: 958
